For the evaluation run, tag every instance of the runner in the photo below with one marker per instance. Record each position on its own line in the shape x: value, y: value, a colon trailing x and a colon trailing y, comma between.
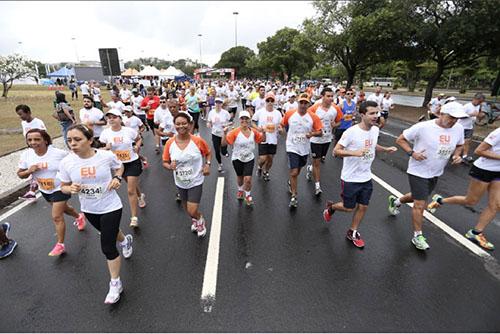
x: 348, y: 110
x: 485, y: 176
x: 243, y: 140
x: 135, y: 102
x: 89, y: 173
x: 434, y: 142
x: 376, y: 96
x: 93, y: 118
x: 330, y: 119
x: 472, y: 109
x: 184, y: 154
x: 149, y: 105
x: 96, y: 95
x: 217, y: 119
x: 259, y: 102
x: 192, y: 102
x: 125, y: 95
x: 7, y: 245
x: 159, y: 115
x: 291, y: 104
x: 115, y: 102
x: 202, y: 92
x: 301, y: 125
x: 133, y: 122
x: 269, y: 120
x: 232, y: 101
x: 124, y: 143
x: 357, y: 146
x: 387, y: 106
x: 41, y: 161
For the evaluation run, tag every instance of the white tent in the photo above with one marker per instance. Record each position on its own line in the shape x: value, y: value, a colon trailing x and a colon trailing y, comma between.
x: 171, y: 73
x: 149, y: 71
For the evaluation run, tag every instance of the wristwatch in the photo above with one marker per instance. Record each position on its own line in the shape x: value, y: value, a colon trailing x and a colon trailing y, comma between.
x: 410, y: 153
x: 118, y: 177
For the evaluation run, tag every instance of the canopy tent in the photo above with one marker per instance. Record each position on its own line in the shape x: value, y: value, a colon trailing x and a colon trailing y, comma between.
x: 149, y: 71
x: 170, y: 73
x: 183, y: 78
x: 63, y: 72
x: 130, y: 72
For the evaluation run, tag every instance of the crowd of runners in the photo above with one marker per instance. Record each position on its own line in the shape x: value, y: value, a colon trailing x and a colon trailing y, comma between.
x: 246, y: 120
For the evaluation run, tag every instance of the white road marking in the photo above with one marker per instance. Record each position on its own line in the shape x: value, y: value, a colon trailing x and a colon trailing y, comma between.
x: 17, y: 208
x: 388, y: 134
x: 212, y: 264
x: 439, y: 223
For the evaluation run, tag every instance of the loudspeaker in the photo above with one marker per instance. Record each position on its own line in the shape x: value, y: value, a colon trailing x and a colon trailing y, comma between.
x: 109, y: 62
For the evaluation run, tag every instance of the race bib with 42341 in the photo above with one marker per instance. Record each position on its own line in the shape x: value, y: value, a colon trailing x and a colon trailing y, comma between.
x: 122, y: 155
x: 91, y: 191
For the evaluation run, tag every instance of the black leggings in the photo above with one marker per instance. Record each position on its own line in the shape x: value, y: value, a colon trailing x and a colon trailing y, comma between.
x: 109, y: 226
x: 196, y: 116
x: 218, y: 148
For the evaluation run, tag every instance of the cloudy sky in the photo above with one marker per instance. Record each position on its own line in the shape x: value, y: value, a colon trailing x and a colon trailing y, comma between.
x: 44, y: 30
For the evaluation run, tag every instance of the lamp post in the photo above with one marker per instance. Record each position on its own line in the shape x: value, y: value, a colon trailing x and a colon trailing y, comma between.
x: 235, y: 28
x: 76, y: 50
x: 200, y: 35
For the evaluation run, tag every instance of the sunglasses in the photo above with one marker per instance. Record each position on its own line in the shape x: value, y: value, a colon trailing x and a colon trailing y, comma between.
x: 269, y: 100
x: 163, y: 101
x: 303, y: 102
x: 349, y: 94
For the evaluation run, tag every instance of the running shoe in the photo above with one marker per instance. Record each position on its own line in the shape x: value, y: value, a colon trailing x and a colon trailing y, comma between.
x: 178, y: 197
x: 266, y: 176
x: 226, y: 155
x: 58, y: 250
x: 6, y: 229
x: 289, y: 186
x: 318, y: 191
x: 293, y: 202
x: 435, y: 203
x: 420, y: 242
x: 142, y: 201
x: 7, y: 249
x: 479, y: 239
x: 145, y: 164
x: 127, y: 246
x: 29, y: 196
x: 134, y: 222
x: 240, y: 195
x: 194, y: 225
x: 393, y: 208
x: 327, y: 216
x: 323, y: 159
x: 80, y: 222
x: 201, y: 229
x: 157, y: 150
x: 309, y: 172
x: 115, y: 288
x: 220, y: 168
x: 249, y: 200
x: 355, y: 238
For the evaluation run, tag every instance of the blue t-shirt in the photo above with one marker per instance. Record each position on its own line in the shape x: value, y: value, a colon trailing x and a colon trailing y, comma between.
x: 347, y: 118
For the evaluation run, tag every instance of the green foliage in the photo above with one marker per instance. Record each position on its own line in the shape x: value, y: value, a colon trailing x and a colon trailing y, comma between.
x: 236, y: 57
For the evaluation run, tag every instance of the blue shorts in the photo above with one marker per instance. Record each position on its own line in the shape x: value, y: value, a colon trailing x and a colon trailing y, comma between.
x: 356, y: 193
x: 57, y: 196
x: 296, y: 161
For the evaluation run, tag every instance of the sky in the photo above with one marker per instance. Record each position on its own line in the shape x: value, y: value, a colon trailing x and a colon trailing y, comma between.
x: 65, y: 31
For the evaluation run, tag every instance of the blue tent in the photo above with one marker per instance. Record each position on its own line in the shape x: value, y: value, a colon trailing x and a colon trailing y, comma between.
x: 183, y: 78
x: 62, y: 73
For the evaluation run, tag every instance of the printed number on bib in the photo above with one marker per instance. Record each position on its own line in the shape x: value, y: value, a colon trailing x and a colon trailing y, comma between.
x: 46, y: 184
x: 444, y: 152
x: 368, y: 155
x: 270, y: 128
x: 91, y: 191
x: 184, y: 174
x: 123, y: 155
x: 299, y: 138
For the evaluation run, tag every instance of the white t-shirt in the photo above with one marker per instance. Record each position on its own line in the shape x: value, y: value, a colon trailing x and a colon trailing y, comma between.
x: 326, y: 117
x: 35, y: 123
x: 121, y: 143
x: 189, y: 161
x: 125, y: 94
x: 202, y: 93
x: 439, y: 144
x: 94, y: 175
x: 233, y: 98
x: 133, y: 122
x: 116, y: 105
x: 358, y: 169
x: 49, y: 166
x: 96, y: 94
x: 218, y: 120
x: 468, y: 123
x: 164, y: 117
x: 287, y: 106
x: 167, y: 124
x: 298, y: 127
x: 85, y: 89
x: 258, y: 103
x: 243, y: 146
x: 136, y: 104
x: 435, y: 102
x: 220, y: 91
x: 387, y: 103
x: 375, y: 98
x: 159, y: 114
x: 270, y: 121
x: 90, y: 116
x: 486, y: 163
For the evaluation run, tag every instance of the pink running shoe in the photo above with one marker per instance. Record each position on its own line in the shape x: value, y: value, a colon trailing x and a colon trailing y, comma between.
x: 58, y: 250
x: 80, y: 222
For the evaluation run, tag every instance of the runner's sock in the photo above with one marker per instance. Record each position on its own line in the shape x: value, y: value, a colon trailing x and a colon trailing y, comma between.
x: 115, y: 280
x: 240, y: 188
x: 397, y: 202
x: 247, y: 193
x: 417, y: 233
x: 317, y: 185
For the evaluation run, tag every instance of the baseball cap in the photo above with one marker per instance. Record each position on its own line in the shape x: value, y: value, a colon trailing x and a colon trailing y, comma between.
x: 134, y: 90
x: 218, y: 99
x: 304, y: 97
x: 244, y: 113
x: 115, y: 112
x: 454, y: 109
x: 270, y: 96
x: 127, y: 108
x: 292, y: 95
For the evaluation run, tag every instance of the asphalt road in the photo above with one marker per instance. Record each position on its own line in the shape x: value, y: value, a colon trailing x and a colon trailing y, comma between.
x: 279, y: 270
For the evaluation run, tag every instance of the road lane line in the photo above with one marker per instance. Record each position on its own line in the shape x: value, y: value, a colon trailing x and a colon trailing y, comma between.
x: 17, y: 208
x: 212, y: 264
x: 388, y: 134
x: 439, y: 223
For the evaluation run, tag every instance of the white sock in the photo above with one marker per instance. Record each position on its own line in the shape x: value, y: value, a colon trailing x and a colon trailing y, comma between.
x: 124, y: 242
x: 417, y: 233
x: 240, y: 188
x: 116, y: 280
x: 317, y: 185
x: 247, y: 193
x: 397, y: 202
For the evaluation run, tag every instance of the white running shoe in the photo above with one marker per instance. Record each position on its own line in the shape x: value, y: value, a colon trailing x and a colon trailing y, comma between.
x: 114, y: 292
x: 127, y: 247
x: 201, y: 228
x: 194, y: 225
x: 309, y: 172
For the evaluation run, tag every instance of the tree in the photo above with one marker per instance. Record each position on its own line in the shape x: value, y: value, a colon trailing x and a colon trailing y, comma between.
x: 288, y: 52
x: 236, y: 58
x: 14, y: 67
x: 454, y: 33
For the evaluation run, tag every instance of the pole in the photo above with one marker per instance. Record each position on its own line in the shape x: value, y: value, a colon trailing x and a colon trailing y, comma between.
x: 235, y: 28
x: 201, y: 62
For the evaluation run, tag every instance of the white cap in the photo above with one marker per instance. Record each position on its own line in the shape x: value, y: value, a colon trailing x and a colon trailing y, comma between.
x: 127, y: 108
x: 218, y: 99
x: 454, y: 109
x: 244, y: 113
x: 115, y: 112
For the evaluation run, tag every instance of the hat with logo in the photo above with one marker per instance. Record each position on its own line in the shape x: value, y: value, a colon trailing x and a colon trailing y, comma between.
x: 304, y: 97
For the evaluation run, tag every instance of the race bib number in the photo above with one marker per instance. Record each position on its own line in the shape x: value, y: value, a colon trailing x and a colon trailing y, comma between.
x: 122, y: 155
x: 91, y: 191
x: 444, y: 152
x: 369, y: 155
x: 246, y: 155
x: 347, y: 117
x: 184, y: 174
x: 299, y: 138
x: 270, y: 128
x: 46, y: 184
